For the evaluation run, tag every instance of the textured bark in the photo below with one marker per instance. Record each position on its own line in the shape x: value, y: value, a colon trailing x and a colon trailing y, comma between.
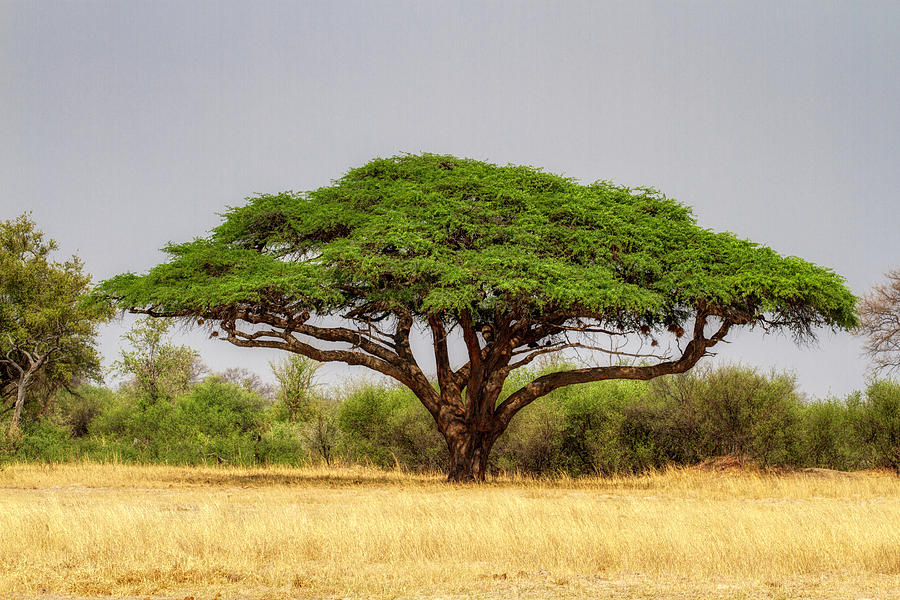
x: 469, y: 443
x: 17, y: 411
x: 35, y: 362
x: 469, y: 455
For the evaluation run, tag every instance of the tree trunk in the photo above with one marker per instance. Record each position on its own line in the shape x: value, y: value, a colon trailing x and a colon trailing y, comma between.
x: 469, y: 449
x: 20, y: 402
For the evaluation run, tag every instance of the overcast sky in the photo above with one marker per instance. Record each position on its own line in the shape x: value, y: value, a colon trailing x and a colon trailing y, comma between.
x: 125, y: 125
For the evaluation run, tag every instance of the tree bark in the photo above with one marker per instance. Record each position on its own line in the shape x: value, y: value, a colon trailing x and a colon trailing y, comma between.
x: 20, y: 402
x: 470, y: 436
x: 469, y: 449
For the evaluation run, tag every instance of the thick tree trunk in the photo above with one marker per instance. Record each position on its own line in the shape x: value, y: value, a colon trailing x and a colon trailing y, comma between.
x: 469, y: 452
x: 470, y: 442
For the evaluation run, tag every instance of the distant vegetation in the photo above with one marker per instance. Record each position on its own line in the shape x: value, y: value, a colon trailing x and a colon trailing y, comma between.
x: 598, y: 428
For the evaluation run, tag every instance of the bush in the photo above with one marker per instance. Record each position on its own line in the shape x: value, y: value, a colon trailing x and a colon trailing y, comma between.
x: 389, y: 426
x: 216, y: 408
x: 828, y: 438
x: 877, y: 424
x: 214, y: 422
x: 603, y: 428
x: 732, y: 410
x: 44, y: 441
x: 282, y: 444
x: 321, y: 432
x: 633, y: 426
x: 77, y: 409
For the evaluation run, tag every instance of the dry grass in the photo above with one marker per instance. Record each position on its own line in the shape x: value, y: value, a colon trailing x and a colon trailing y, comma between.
x: 126, y: 531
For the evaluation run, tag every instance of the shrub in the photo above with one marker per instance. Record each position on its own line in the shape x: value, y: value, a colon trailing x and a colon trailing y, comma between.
x: 45, y: 441
x: 388, y: 426
x: 321, y: 432
x: 732, y: 410
x: 77, y: 409
x: 828, y: 438
x: 282, y: 444
x: 877, y: 424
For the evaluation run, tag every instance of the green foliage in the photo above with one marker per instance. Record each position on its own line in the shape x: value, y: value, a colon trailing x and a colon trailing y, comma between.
x: 213, y: 422
x: 633, y: 426
x: 388, y: 426
x: 830, y: 438
x: 438, y: 234
x: 47, y: 325
x: 282, y: 443
x: 44, y: 441
x: 157, y: 368
x: 608, y: 427
x: 513, y: 254
x: 294, y: 375
x: 216, y: 408
x: 878, y: 424
x: 322, y: 433
x: 735, y: 411
x: 77, y: 409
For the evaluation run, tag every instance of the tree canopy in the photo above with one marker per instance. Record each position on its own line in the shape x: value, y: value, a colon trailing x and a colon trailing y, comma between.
x: 521, y: 262
x: 47, y: 323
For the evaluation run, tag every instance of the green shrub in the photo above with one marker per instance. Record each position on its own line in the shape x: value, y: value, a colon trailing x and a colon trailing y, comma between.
x: 44, y: 441
x: 533, y: 441
x: 214, y: 422
x: 877, y: 424
x: 731, y: 410
x: 282, y: 444
x: 216, y: 409
x: 603, y: 428
x: 77, y: 409
x: 828, y: 438
x: 387, y: 426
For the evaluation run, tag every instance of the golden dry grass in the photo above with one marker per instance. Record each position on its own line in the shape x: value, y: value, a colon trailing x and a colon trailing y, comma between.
x: 89, y: 530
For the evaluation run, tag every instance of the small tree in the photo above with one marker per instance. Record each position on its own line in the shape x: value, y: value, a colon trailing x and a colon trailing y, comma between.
x: 879, y: 313
x: 508, y: 263
x: 47, y: 324
x: 322, y: 430
x: 157, y: 368
x: 295, y: 380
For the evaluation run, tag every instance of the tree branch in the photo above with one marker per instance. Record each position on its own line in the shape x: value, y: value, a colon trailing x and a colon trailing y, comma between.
x: 545, y: 384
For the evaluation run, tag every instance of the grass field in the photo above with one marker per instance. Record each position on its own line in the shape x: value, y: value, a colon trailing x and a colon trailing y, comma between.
x: 88, y: 530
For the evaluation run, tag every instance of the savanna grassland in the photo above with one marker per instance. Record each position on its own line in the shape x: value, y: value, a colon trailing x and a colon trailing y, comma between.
x: 88, y: 530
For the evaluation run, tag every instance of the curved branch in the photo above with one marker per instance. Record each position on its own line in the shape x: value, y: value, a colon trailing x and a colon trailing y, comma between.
x: 693, y: 352
x: 285, y: 340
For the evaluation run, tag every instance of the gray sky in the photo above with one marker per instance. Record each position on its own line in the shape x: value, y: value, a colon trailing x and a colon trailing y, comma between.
x: 125, y: 125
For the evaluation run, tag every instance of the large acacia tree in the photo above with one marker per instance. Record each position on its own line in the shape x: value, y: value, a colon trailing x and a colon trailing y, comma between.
x: 509, y: 262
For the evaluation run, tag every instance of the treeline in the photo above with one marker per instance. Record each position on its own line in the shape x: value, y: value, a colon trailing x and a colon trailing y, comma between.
x: 608, y: 427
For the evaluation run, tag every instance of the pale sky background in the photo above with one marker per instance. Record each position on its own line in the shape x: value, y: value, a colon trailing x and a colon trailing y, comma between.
x: 125, y: 125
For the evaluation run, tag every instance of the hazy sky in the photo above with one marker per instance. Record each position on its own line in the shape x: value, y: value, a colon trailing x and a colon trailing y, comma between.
x: 125, y: 125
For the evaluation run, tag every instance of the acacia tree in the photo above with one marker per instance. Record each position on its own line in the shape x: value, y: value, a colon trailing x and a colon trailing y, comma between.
x: 509, y: 262
x: 879, y: 312
x: 47, y: 323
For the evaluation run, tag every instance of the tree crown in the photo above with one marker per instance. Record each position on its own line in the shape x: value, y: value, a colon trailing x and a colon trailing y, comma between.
x: 436, y: 235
